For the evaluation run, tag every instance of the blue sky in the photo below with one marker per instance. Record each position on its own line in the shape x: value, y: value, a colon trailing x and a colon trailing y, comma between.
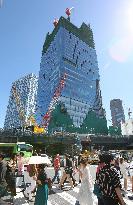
x: 24, y: 24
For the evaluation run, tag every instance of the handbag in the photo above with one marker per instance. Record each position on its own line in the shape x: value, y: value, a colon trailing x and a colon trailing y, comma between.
x: 49, y: 183
x: 97, y: 190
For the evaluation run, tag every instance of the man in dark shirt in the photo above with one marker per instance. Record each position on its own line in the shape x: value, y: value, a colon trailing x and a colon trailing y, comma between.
x: 3, y: 169
x: 67, y: 172
x: 109, y: 183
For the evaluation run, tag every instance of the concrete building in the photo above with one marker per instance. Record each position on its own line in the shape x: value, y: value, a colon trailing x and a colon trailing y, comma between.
x: 127, y: 127
x: 22, y: 101
x: 117, y: 112
x: 69, y: 75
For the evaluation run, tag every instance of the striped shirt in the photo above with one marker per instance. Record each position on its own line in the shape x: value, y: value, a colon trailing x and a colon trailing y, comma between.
x: 108, y: 180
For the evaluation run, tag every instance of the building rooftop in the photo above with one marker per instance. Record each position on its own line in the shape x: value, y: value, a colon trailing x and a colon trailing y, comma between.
x: 84, y: 33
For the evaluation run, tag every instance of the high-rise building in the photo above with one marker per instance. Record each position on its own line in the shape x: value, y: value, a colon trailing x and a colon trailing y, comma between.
x: 22, y: 101
x: 117, y: 112
x: 69, y: 75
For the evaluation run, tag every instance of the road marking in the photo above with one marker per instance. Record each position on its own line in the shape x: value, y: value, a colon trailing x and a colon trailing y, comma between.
x: 72, y: 200
x: 128, y: 201
x: 76, y: 189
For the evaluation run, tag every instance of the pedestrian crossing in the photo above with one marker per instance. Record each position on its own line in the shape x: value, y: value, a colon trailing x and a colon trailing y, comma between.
x: 60, y: 197
x: 63, y: 197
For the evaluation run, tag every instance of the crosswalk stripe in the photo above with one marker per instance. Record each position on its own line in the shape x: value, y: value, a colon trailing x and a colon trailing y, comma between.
x: 128, y: 201
x: 68, y: 197
x: 76, y: 189
x: 63, y: 197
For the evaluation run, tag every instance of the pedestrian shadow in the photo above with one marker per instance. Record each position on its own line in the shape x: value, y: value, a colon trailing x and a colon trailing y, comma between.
x: 4, y: 202
x: 51, y: 192
x: 20, y: 200
x: 56, y: 189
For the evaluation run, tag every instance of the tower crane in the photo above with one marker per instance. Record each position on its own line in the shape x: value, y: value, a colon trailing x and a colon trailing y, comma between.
x: 68, y: 12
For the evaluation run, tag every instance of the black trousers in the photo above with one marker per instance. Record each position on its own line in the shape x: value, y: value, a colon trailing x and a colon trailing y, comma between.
x: 110, y: 201
x: 100, y: 201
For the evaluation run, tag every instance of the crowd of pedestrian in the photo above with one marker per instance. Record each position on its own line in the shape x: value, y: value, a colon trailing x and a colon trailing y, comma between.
x: 34, y: 179
x: 107, y: 186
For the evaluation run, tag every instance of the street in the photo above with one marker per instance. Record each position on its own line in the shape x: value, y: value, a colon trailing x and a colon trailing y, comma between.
x: 65, y: 196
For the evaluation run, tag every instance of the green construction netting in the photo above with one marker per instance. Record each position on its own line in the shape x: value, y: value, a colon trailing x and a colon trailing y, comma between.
x: 91, y: 124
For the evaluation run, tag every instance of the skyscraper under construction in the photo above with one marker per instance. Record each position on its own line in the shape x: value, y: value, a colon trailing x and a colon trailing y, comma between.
x: 69, y: 93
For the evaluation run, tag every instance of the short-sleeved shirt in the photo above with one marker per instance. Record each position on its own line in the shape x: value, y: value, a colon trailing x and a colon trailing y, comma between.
x: 3, y: 169
x: 56, y: 163
x: 124, y: 169
x: 108, y: 179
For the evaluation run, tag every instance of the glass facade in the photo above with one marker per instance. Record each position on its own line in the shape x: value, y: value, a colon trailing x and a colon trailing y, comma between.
x: 69, y: 50
x: 22, y: 101
x: 117, y: 112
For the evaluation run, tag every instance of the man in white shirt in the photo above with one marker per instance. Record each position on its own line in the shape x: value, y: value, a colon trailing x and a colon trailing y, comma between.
x: 131, y: 173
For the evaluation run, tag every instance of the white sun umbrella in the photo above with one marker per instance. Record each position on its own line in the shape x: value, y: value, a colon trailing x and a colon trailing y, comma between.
x: 39, y: 160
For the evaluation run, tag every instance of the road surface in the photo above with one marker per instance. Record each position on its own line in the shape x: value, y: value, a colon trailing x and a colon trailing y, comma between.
x: 66, y: 196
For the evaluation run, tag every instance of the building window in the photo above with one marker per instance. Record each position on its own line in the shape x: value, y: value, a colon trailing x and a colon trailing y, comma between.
x: 73, y: 55
x: 69, y: 61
